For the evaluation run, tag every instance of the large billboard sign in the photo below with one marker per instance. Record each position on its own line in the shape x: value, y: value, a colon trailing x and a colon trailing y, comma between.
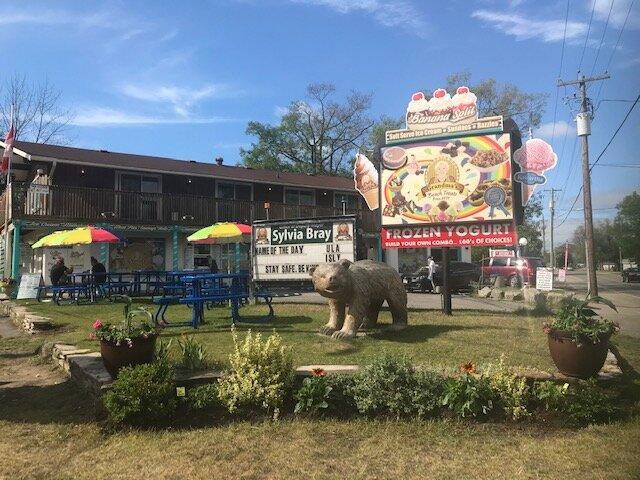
x: 444, y: 181
x: 450, y: 235
x: 287, y: 250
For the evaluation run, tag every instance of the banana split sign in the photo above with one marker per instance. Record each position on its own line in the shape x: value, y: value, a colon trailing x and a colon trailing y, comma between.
x: 443, y: 116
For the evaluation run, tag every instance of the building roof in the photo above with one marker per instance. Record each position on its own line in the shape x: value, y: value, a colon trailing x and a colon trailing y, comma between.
x: 128, y: 161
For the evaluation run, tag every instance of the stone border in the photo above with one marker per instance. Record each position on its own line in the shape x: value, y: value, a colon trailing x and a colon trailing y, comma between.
x: 24, y: 319
x: 87, y: 370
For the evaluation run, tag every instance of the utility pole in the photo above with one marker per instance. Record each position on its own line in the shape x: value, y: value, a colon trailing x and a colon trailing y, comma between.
x: 544, y: 239
x: 552, y: 208
x: 583, y: 121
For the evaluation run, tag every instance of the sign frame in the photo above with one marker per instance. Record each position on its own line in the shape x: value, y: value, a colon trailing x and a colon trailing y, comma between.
x: 306, y: 279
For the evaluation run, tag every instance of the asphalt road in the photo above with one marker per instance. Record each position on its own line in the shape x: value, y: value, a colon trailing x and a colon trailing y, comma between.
x: 625, y: 296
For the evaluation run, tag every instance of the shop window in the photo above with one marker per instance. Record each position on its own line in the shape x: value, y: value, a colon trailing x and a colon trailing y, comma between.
x: 351, y: 200
x: 298, y: 197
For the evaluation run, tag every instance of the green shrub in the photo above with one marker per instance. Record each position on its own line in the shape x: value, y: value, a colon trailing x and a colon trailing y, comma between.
x: 162, y: 351
x: 550, y: 395
x: 427, y: 393
x: 340, y: 399
x: 202, y: 397
x: 312, y: 397
x: 587, y: 404
x: 512, y: 391
x: 261, y: 374
x: 469, y: 395
x: 142, y: 394
x: 385, y: 387
x: 194, y: 355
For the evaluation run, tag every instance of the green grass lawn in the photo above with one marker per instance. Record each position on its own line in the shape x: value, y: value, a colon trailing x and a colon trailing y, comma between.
x: 432, y: 338
x: 50, y: 429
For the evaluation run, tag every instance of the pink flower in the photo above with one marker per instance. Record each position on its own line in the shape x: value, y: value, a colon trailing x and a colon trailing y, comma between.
x: 97, y: 324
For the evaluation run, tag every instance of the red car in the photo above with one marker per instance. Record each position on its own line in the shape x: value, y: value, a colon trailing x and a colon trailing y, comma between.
x: 517, y: 271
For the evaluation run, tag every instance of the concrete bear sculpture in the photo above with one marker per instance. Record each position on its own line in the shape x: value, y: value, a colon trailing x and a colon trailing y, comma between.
x: 362, y: 286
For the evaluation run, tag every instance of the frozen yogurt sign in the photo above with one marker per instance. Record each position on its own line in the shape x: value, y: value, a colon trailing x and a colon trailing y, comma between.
x: 443, y: 115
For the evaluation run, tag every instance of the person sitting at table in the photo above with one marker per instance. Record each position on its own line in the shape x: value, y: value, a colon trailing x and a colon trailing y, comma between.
x: 60, y: 272
x: 98, y: 271
x: 213, y: 265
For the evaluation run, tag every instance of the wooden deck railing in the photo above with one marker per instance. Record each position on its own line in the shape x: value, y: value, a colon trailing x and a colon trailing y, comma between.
x: 92, y: 205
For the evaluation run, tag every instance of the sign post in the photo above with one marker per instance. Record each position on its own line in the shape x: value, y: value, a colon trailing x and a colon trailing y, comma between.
x: 446, y: 287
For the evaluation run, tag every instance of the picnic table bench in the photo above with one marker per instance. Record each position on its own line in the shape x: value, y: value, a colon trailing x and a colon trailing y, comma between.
x: 208, y: 289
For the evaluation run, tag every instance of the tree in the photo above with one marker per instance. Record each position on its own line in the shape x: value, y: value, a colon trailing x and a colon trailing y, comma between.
x: 37, y: 114
x: 530, y: 229
x: 505, y: 99
x: 627, y: 226
x: 376, y: 138
x: 604, y: 243
x: 318, y: 135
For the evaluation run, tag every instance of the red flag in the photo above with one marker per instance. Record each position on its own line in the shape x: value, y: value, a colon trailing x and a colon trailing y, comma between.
x: 8, y: 150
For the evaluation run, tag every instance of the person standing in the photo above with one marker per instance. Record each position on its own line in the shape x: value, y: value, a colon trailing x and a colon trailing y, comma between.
x: 213, y: 265
x: 432, y: 266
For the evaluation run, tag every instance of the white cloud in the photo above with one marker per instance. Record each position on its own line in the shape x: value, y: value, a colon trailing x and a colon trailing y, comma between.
x: 562, y: 128
x: 619, y: 10
x: 524, y: 28
x: 388, y: 13
x: 180, y: 98
x: 108, y: 117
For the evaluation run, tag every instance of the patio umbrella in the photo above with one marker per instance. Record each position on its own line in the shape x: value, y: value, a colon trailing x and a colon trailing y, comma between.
x: 223, y: 233
x: 77, y: 236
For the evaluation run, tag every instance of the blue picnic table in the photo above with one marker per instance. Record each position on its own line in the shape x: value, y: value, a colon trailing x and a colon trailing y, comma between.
x: 205, y: 290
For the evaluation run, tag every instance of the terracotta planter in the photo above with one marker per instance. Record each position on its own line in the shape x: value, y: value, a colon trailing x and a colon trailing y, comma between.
x: 115, y: 356
x: 581, y: 361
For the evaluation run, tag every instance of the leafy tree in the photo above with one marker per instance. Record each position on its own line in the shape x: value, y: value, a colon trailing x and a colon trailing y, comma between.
x: 627, y: 226
x: 376, y: 138
x: 318, y: 135
x: 530, y: 229
x: 604, y: 243
x: 505, y: 99
x: 37, y: 114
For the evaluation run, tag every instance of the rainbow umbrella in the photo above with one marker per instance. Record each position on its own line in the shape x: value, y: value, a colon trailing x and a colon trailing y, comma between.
x: 77, y: 236
x: 223, y: 233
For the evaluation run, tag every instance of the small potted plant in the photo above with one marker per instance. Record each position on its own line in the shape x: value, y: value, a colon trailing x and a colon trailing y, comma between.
x: 7, y: 285
x: 579, y: 337
x: 130, y: 343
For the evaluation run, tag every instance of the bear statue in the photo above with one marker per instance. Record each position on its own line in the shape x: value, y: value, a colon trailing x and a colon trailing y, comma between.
x: 362, y: 286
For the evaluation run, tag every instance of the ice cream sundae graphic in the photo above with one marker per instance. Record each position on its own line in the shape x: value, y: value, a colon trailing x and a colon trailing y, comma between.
x: 366, y: 180
x: 464, y: 109
x: 417, y: 112
x: 440, y: 109
x: 535, y: 157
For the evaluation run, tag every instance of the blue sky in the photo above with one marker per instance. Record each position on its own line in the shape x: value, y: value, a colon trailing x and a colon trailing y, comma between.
x: 181, y: 79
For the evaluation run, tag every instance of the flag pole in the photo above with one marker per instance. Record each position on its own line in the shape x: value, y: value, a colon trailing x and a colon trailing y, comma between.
x: 7, y: 195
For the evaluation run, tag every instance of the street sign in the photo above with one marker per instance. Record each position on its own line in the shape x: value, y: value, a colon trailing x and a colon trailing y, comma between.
x: 562, y: 275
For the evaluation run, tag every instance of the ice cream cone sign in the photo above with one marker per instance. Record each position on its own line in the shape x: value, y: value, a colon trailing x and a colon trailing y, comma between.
x: 366, y: 180
x: 535, y: 157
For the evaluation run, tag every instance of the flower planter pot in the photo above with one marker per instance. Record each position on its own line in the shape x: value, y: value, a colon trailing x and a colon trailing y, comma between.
x: 115, y: 356
x: 582, y: 361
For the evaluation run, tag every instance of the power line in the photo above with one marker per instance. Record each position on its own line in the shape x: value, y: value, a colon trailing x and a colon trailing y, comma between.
x: 616, y: 132
x: 573, y: 204
x: 586, y: 39
x: 615, y: 48
x: 616, y: 165
x: 604, y: 31
x: 564, y: 38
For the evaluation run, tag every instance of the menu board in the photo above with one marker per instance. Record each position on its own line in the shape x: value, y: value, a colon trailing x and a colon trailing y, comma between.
x: 450, y: 181
x: 29, y: 282
x: 288, y: 250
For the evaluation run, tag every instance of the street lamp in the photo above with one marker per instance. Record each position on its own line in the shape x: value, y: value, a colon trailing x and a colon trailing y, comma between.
x: 522, y: 243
